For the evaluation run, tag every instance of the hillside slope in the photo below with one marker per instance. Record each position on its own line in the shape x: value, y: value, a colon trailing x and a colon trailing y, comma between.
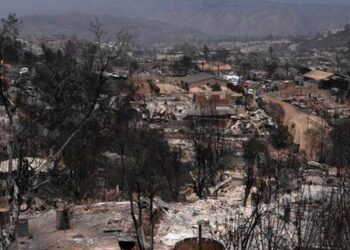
x: 328, y: 41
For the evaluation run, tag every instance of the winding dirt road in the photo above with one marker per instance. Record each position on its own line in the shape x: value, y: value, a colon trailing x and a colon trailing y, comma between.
x: 307, y: 130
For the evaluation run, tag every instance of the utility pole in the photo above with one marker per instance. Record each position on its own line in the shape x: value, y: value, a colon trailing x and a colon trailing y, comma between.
x: 218, y: 68
x: 323, y: 131
x: 10, y: 165
x: 200, y: 240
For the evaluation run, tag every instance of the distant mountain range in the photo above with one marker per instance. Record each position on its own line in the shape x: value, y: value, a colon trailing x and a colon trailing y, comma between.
x: 176, y: 18
x: 144, y: 31
x: 257, y: 18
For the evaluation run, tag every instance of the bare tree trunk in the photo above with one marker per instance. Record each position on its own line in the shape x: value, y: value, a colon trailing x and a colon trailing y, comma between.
x: 122, y: 177
x: 140, y: 231
x: 151, y: 217
x: 249, y: 183
x: 134, y: 219
x: 10, y: 159
x: 138, y: 221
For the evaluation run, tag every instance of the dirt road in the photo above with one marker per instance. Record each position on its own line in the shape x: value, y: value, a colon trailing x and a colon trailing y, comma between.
x: 306, y: 129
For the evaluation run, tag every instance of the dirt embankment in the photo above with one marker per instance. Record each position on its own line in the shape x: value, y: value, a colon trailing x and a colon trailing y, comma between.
x: 307, y: 130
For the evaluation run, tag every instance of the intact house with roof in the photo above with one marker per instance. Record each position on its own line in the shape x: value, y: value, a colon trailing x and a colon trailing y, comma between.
x: 203, y: 81
x: 329, y: 80
x: 209, y: 90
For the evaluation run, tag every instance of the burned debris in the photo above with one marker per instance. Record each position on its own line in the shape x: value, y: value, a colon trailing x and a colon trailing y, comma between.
x: 225, y: 145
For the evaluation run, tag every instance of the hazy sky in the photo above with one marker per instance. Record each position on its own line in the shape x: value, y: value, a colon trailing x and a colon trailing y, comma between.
x: 116, y: 7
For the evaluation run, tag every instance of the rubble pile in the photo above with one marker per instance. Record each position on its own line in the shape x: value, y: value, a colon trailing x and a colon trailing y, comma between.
x: 180, y: 221
x: 250, y: 121
x: 186, y: 147
x: 318, y: 105
x: 318, y: 174
x: 162, y: 109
